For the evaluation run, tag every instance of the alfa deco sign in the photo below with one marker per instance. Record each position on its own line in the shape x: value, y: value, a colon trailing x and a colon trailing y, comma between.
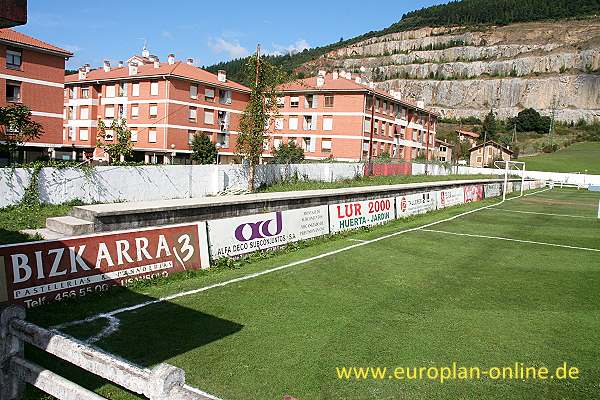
x: 40, y: 272
x: 241, y: 235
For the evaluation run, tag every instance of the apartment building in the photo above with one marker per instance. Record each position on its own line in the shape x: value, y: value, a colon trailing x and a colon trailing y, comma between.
x: 164, y: 103
x: 331, y: 115
x: 32, y: 73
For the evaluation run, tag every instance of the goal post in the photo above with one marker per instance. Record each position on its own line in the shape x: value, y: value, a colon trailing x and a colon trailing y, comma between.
x: 511, y: 166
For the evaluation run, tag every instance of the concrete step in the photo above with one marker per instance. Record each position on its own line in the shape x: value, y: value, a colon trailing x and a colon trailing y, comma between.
x: 43, y: 233
x: 69, y: 226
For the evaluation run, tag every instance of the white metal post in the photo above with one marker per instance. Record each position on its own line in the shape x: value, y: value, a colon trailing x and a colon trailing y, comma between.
x: 505, y: 181
x: 522, y: 179
x: 598, y: 209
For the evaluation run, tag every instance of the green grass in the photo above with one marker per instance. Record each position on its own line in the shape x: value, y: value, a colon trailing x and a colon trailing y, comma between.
x: 13, y: 219
x: 576, y: 158
x: 416, y: 299
x: 365, y: 181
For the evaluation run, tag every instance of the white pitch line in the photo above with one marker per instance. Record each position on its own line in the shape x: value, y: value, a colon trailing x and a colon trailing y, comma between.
x: 271, y: 270
x: 357, y: 240
x: 512, y: 240
x: 540, y: 213
x: 267, y: 271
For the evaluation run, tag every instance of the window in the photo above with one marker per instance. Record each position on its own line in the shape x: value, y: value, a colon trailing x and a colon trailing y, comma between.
x: 384, y: 108
x: 280, y: 101
x: 135, y: 89
x: 376, y: 104
x: 13, y: 91
x: 326, y: 145
x: 443, y: 149
x: 479, y: 160
x: 110, y: 91
x: 369, y: 103
x: 121, y: 112
x: 277, y: 142
x: 109, y: 112
x: 153, y: 110
x: 135, y: 111
x: 309, y: 144
x: 193, y: 91
x: 72, y: 133
x: 191, y: 134
x: 85, y: 93
x: 327, y: 123
x: 209, y: 94
x: 224, y: 96
x: 329, y: 101
x: 134, y: 134
x: 84, y: 113
x: 490, y: 151
x: 367, y: 127
x: 13, y: 59
x: 294, y: 101
x: 152, y: 135
x: 310, y: 123
x: 293, y: 123
x: 278, y: 124
x: 310, y: 101
x: 153, y: 88
x: 84, y: 134
x: 209, y: 117
x: 443, y: 159
x: 193, y: 113
x: 123, y: 89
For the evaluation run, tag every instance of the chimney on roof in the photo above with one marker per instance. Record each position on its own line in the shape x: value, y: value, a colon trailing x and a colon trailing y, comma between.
x: 106, y: 65
x: 120, y: 64
x: 133, y: 68
x: 320, y: 80
x: 222, y: 76
x: 156, y: 63
x: 171, y: 59
x: 421, y: 104
x: 87, y: 67
x: 190, y: 61
x: 145, y: 52
x: 82, y: 73
x: 357, y: 79
x: 334, y: 75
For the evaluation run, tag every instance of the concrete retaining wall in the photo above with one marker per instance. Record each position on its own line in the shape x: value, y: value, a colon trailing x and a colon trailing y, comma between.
x: 147, y: 183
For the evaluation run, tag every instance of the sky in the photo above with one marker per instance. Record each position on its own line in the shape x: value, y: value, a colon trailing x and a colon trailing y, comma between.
x: 208, y: 32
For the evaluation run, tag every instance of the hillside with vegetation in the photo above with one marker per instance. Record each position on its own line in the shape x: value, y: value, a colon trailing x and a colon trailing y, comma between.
x: 466, y: 13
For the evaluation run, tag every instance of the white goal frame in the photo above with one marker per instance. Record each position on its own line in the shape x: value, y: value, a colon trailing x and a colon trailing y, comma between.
x: 511, y: 165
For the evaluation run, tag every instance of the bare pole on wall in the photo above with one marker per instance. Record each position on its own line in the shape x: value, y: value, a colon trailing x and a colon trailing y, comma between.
x: 370, y: 159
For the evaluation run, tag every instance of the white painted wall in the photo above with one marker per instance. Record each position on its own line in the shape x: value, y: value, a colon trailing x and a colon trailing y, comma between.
x: 112, y: 184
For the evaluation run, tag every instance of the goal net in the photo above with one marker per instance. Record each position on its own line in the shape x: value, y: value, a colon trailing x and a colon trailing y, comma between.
x: 511, y: 168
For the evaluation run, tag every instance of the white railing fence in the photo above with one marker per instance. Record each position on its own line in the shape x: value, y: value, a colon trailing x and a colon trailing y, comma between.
x: 163, y: 382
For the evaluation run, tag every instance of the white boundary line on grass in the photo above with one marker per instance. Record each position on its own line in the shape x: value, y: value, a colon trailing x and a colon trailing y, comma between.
x: 512, y: 240
x: 540, y: 213
x: 112, y: 313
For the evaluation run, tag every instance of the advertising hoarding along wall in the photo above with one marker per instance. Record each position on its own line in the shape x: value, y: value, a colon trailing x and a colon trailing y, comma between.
x: 492, y: 190
x: 40, y: 272
x: 473, y: 193
x: 240, y: 235
x: 357, y: 214
x: 450, y: 197
x: 412, y: 204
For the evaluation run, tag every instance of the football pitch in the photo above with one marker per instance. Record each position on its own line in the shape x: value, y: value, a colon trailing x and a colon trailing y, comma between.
x: 484, y: 285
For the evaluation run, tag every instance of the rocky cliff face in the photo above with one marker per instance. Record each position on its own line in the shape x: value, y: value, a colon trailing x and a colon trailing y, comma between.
x: 460, y: 72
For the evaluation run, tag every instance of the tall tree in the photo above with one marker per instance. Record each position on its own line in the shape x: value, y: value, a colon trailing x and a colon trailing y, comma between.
x: 489, y: 126
x: 259, y: 111
x: 117, y: 144
x: 16, y: 128
x: 204, y: 150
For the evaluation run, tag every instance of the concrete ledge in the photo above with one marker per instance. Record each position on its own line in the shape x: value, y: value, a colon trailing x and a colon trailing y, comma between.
x: 69, y: 225
x: 118, y: 216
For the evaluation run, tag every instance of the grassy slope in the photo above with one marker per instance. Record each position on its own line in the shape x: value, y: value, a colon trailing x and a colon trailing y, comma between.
x: 417, y: 299
x: 575, y: 158
x: 16, y: 218
x: 364, y: 181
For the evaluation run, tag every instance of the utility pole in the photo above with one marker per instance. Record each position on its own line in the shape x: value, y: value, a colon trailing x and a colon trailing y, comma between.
x: 370, y: 159
x: 551, y: 129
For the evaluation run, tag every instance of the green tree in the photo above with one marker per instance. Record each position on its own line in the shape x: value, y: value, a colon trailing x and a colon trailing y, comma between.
x: 529, y: 120
x: 117, y: 145
x: 16, y: 128
x: 489, y: 127
x: 204, y: 150
x: 288, y: 153
x: 259, y: 111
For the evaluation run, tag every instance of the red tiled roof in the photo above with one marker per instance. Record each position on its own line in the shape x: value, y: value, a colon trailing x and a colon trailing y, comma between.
x: 178, y: 69
x: 9, y: 35
x: 468, y: 133
x: 493, y: 144
x: 341, y: 84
